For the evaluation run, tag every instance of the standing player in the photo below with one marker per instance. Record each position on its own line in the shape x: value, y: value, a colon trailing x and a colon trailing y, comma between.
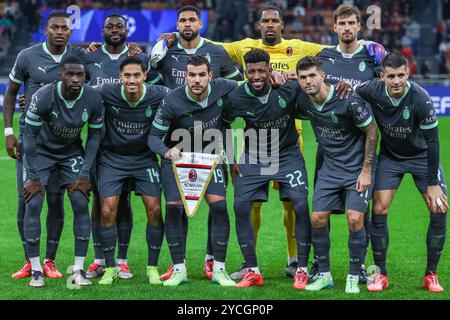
x: 52, y: 140
x: 348, y: 61
x: 264, y: 107
x: 195, y: 107
x: 34, y: 67
x: 170, y: 72
x: 409, y: 144
x: 129, y: 111
x: 284, y: 55
x: 102, y: 66
x: 348, y: 137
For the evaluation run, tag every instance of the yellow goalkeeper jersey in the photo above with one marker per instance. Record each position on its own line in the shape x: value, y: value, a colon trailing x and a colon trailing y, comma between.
x: 283, y: 57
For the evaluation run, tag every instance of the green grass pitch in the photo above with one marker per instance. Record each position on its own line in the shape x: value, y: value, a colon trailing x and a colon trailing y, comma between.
x: 408, y: 224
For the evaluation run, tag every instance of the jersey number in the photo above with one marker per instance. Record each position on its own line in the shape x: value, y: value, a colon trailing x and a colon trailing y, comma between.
x: 76, y: 164
x: 153, y: 174
x: 295, y: 181
x: 218, y: 176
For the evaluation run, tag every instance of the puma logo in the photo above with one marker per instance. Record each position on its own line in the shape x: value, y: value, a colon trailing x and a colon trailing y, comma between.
x: 56, y: 114
x: 43, y: 69
x: 99, y: 65
x: 175, y: 57
x: 332, y: 60
x: 251, y: 114
x: 116, y: 109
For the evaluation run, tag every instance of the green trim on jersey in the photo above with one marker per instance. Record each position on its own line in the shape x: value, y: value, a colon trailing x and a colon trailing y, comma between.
x: 234, y: 74
x: 205, y: 102
x: 34, y: 123
x: 160, y: 127
x: 109, y: 54
x: 44, y: 47
x: 14, y: 79
x: 69, y: 105
x: 200, y: 44
x: 159, y: 77
x: 262, y: 99
x: 431, y: 126
x: 366, y: 123
x: 95, y: 126
x: 358, y: 50
x: 130, y: 103
x: 399, y: 100
x: 330, y: 95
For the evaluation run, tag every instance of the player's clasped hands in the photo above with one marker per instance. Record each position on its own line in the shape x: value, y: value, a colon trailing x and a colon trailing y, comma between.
x: 436, y: 200
x: 173, y: 154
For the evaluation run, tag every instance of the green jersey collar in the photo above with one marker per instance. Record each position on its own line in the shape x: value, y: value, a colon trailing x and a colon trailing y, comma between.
x: 68, y: 104
x: 109, y: 54
x: 186, y: 90
x: 396, y: 102
x: 200, y: 44
x: 262, y: 99
x: 350, y: 55
x: 45, y: 48
x: 133, y: 103
x: 330, y: 95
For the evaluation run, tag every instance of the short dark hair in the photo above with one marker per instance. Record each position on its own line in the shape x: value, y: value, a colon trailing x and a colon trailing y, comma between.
x: 393, y: 60
x: 115, y: 15
x: 57, y: 14
x: 189, y: 8
x: 132, y: 60
x: 198, y: 60
x: 309, y: 62
x: 69, y: 60
x: 272, y: 8
x: 256, y: 55
x: 346, y: 10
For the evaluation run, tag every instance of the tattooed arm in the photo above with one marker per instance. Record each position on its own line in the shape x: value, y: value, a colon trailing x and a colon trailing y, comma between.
x: 365, y: 177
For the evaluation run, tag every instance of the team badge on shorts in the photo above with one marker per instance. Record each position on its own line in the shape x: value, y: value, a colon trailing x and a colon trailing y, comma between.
x: 406, y: 113
x: 84, y: 116
x: 289, y: 51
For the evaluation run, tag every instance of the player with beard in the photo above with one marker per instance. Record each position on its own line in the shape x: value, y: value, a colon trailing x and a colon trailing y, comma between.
x: 284, y: 55
x: 408, y: 124
x: 348, y: 61
x: 170, y: 72
x: 197, y: 108
x: 102, y: 66
x: 34, y: 67
x: 54, y: 121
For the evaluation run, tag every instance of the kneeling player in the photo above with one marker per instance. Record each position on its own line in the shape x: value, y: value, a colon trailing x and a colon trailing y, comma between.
x: 268, y: 111
x: 194, y: 107
x: 348, y: 136
x: 54, y: 121
x: 409, y: 144
x: 129, y: 111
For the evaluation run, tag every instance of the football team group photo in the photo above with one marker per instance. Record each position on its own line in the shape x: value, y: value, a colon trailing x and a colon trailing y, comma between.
x: 225, y: 149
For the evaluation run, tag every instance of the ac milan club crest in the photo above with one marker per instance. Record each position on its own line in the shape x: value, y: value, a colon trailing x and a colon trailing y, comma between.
x: 289, y: 51
x: 192, y: 175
